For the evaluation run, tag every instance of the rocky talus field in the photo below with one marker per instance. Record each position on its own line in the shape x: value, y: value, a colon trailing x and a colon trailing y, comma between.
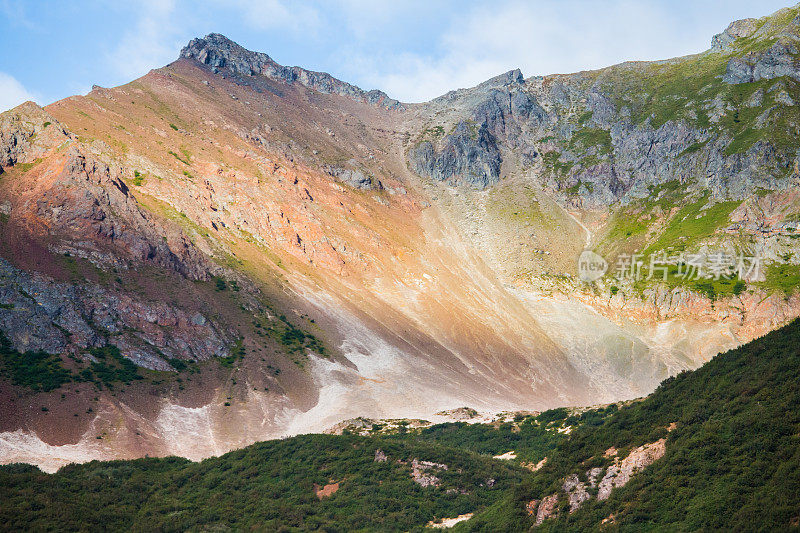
x: 228, y: 250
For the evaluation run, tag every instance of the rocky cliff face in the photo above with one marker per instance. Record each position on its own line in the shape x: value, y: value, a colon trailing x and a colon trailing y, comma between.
x: 69, y: 318
x: 468, y: 155
x: 603, y: 137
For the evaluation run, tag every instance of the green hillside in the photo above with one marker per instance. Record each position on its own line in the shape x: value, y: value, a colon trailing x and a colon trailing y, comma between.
x: 732, y: 463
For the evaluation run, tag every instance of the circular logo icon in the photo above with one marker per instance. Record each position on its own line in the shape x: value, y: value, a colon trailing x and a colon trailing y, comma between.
x: 591, y: 266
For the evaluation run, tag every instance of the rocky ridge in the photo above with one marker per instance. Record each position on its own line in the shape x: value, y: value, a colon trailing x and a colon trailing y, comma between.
x: 222, y: 54
x: 598, y: 138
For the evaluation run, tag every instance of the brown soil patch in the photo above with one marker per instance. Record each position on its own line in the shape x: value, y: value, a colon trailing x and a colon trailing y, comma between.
x: 327, y: 490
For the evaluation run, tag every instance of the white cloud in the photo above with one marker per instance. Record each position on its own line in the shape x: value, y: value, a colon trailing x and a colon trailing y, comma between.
x: 267, y: 14
x: 543, y: 37
x: 150, y: 43
x: 164, y: 26
x: 12, y: 93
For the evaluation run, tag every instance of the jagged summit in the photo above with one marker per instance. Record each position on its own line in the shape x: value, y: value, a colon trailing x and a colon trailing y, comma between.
x: 508, y: 78
x: 781, y: 25
x: 221, y: 53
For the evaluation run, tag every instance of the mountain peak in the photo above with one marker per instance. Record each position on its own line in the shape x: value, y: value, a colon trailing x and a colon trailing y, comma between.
x: 221, y: 53
x: 502, y: 80
x: 723, y: 42
x: 218, y: 51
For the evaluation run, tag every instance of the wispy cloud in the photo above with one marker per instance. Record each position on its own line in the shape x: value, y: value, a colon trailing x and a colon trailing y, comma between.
x: 150, y: 43
x: 14, y: 11
x: 12, y: 92
x: 268, y: 14
x: 542, y: 37
x: 414, y: 49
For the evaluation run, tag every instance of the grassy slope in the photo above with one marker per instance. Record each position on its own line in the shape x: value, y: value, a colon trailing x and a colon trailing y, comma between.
x: 732, y: 463
x: 685, y: 90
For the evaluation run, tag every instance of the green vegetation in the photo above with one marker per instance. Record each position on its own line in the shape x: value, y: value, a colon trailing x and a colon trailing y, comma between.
x: 741, y: 123
x: 683, y: 88
x: 179, y: 158
x: 681, y: 275
x: 25, y: 167
x: 637, y: 227
x: 692, y: 148
x: 734, y: 454
x: 111, y: 367
x: 43, y: 372
x: 237, y: 353
x: 575, y: 189
x: 520, y: 205
x: 431, y: 134
x: 784, y: 278
x: 38, y: 371
x: 552, y: 160
x: 269, y: 486
x: 173, y: 126
x: 532, y: 438
x: 669, y: 90
x: 46, y: 124
x: 627, y: 230
x: 294, y: 340
x: 178, y: 364
x: 138, y: 178
x: 586, y: 138
x: 692, y: 223
x: 585, y: 117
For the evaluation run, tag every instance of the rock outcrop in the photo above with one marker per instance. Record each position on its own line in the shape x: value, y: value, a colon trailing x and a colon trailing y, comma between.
x: 222, y: 54
x: 723, y: 42
x: 82, y: 200
x: 617, y: 475
x: 468, y: 155
x: 40, y: 313
x: 545, y: 509
x: 420, y: 473
x: 599, y: 153
x: 778, y: 60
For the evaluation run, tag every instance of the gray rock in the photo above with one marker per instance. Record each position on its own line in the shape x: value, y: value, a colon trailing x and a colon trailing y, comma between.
x: 776, y: 61
x: 723, y: 42
x: 220, y: 53
x: 39, y: 313
x: 469, y: 155
x: 353, y: 177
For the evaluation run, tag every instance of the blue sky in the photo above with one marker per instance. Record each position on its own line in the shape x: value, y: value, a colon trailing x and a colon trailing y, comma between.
x: 414, y: 50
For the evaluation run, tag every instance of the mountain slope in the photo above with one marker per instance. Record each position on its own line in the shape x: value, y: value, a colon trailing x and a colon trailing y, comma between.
x: 277, y: 250
x: 730, y: 461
